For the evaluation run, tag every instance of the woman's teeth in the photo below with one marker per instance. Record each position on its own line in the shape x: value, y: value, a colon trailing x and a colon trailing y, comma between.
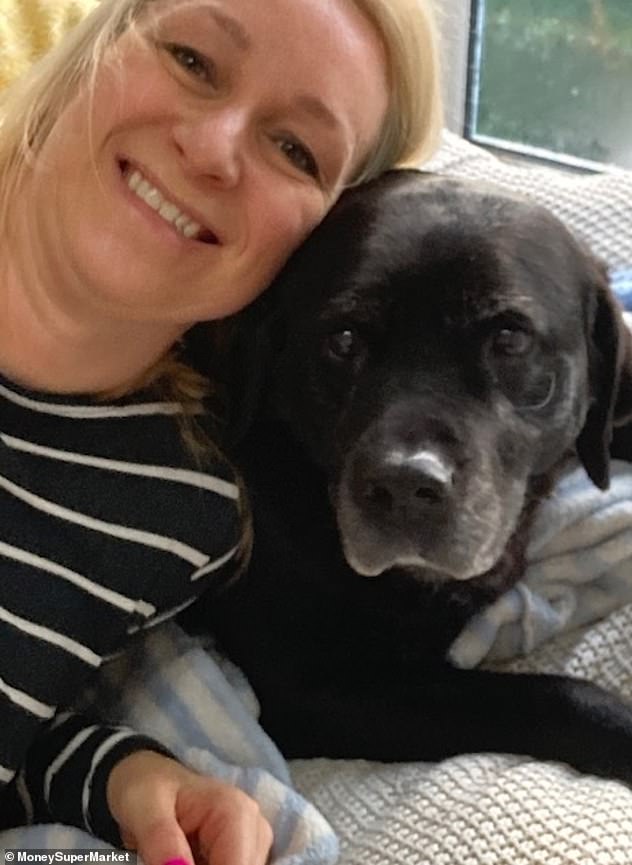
x: 169, y: 211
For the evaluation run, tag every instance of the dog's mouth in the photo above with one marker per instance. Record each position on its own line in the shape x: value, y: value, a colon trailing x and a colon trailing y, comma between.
x: 460, y: 545
x: 372, y: 555
x: 361, y: 559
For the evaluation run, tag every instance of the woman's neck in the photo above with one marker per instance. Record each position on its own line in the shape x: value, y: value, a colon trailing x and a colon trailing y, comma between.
x: 48, y: 348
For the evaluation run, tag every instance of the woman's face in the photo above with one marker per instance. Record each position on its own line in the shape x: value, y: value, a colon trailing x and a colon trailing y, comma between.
x: 225, y: 134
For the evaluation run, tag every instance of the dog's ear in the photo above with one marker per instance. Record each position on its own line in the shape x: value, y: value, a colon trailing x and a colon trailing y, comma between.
x: 236, y: 355
x: 254, y: 344
x: 610, y: 360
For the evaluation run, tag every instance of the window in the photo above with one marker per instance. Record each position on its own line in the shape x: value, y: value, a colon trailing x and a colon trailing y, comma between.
x: 546, y: 78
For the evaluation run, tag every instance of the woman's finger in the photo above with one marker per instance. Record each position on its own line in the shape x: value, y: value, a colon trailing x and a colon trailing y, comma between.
x: 235, y: 832
x: 158, y: 837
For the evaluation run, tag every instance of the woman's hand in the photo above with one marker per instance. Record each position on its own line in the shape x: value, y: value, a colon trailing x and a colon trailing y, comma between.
x: 167, y: 812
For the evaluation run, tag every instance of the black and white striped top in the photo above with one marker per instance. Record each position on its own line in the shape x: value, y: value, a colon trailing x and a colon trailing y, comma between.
x: 107, y: 526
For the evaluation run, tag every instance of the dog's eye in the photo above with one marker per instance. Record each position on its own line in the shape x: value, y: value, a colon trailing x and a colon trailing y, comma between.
x: 512, y: 341
x: 343, y: 345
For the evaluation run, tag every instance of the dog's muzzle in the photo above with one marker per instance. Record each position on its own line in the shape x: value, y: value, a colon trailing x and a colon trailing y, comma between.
x: 409, y: 497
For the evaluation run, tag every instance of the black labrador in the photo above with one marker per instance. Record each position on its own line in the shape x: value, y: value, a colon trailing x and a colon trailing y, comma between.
x: 438, y: 351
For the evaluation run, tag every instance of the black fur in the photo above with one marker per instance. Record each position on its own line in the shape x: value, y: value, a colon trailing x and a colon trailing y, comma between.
x: 437, y: 350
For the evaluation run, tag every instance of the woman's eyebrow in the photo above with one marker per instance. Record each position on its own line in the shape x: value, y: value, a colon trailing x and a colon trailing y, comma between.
x: 330, y: 120
x: 314, y: 106
x: 231, y: 27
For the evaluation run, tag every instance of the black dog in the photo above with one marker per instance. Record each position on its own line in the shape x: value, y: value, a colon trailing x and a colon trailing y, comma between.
x: 438, y: 351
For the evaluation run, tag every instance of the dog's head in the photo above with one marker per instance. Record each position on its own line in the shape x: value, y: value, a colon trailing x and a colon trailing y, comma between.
x: 446, y: 346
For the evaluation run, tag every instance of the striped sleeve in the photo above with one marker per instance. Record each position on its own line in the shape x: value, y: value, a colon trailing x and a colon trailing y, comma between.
x: 109, y: 526
x: 64, y: 778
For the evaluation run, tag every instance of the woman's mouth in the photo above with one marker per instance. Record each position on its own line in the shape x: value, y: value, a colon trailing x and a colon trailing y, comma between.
x: 182, y: 222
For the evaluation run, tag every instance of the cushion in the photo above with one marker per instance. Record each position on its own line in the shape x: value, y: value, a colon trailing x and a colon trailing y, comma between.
x: 29, y: 27
x: 597, y: 207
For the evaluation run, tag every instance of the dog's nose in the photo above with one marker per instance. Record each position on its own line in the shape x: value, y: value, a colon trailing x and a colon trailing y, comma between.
x: 409, y: 483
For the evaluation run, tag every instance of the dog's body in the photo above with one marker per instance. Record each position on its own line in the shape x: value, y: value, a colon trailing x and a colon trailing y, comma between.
x: 446, y: 349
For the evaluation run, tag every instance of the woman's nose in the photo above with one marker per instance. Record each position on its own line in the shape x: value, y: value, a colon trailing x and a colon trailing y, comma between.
x: 214, y: 145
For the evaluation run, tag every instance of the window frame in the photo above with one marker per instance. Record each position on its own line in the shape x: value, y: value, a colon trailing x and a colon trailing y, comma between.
x: 454, y: 20
x: 461, y: 25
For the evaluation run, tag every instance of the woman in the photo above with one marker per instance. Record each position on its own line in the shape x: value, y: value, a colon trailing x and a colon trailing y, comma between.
x: 156, y: 170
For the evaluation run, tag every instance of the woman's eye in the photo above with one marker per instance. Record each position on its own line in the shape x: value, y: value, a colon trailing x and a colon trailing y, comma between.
x: 192, y: 61
x: 300, y: 156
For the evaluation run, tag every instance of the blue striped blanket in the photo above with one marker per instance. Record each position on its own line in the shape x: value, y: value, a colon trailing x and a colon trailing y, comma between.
x: 180, y: 692
x: 196, y: 703
x: 621, y: 282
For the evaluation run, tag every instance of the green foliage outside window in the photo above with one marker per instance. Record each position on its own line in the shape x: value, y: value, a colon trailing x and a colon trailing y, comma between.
x: 557, y: 74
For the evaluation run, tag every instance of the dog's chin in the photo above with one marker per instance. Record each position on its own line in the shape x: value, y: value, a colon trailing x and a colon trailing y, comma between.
x: 372, y: 559
x: 370, y: 552
x: 467, y: 550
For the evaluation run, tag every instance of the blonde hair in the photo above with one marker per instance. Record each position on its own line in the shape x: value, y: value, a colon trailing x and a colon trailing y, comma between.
x: 30, y: 106
x: 409, y: 134
x: 411, y: 128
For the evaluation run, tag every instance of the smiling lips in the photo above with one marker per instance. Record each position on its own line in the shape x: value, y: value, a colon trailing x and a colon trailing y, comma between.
x: 170, y: 212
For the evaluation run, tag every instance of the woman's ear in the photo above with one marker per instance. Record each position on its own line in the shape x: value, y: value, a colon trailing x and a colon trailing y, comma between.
x: 610, y: 359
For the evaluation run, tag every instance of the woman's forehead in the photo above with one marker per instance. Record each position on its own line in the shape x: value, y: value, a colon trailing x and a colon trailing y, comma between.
x: 324, y: 57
